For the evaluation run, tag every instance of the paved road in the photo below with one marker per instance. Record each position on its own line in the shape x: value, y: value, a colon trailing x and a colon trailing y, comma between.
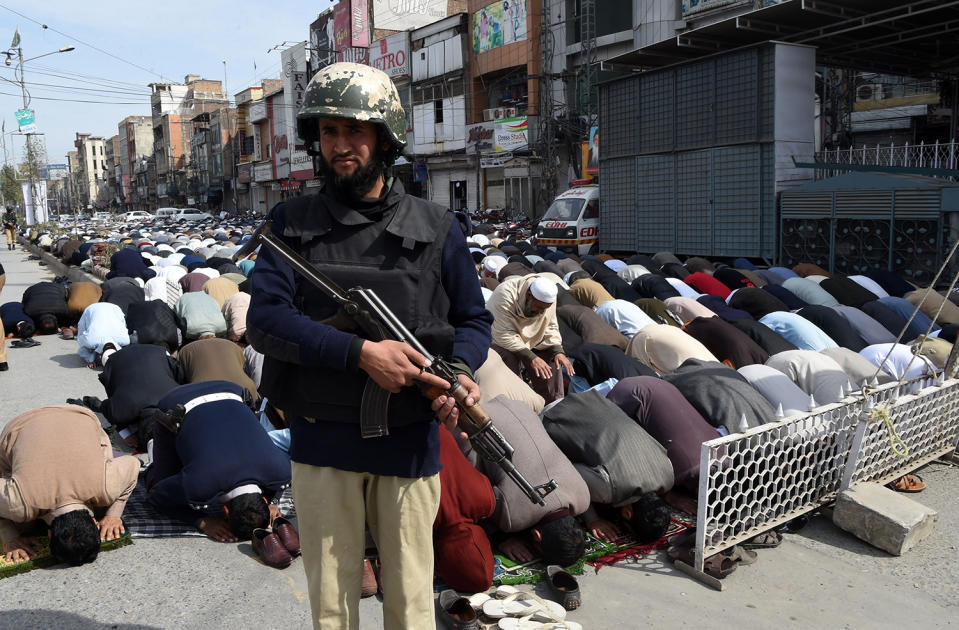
x: 821, y: 577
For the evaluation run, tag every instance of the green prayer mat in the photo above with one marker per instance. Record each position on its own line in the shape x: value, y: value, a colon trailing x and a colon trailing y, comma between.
x: 598, y: 553
x: 45, y: 559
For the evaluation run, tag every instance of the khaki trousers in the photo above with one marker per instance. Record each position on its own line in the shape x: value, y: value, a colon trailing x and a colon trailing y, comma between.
x: 332, y: 506
x: 11, y: 238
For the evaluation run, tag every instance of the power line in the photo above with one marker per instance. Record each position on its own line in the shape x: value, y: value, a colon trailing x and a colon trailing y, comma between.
x: 80, y: 41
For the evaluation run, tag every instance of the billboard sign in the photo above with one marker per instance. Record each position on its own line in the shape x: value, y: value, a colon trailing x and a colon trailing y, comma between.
x: 360, y: 23
x: 480, y: 134
x: 511, y: 134
x: 392, y: 55
x: 25, y: 121
x: 404, y: 15
x: 321, y: 41
x: 341, y: 25
x: 295, y: 80
x: 499, y: 24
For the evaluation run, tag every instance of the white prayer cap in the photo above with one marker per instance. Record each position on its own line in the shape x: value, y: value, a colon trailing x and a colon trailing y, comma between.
x: 543, y: 290
x: 480, y: 239
x: 493, y: 264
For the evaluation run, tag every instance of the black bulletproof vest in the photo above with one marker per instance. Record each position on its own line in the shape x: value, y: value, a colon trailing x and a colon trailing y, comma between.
x: 398, y: 255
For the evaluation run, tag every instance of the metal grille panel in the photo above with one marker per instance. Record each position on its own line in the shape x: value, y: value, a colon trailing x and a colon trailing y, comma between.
x: 655, y: 229
x: 695, y: 106
x: 617, y: 218
x: 751, y: 482
x: 861, y: 245
x: 918, y: 204
x: 656, y: 109
x: 693, y: 214
x: 805, y: 240
x: 916, y: 251
x: 737, y: 100
x: 736, y: 196
x: 806, y: 205
x: 620, y: 116
x: 863, y: 204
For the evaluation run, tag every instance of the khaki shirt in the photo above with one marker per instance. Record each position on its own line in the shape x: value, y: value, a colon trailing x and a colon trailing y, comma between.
x: 55, y: 460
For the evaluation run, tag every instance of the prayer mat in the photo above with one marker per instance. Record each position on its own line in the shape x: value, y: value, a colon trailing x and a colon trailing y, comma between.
x: 44, y: 559
x: 142, y: 520
x: 598, y: 554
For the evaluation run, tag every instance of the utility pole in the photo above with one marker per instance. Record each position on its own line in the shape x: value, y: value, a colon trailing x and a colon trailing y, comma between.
x: 31, y: 158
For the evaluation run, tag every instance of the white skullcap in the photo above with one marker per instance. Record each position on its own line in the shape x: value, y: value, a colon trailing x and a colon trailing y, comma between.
x: 480, y: 239
x: 493, y: 264
x: 543, y: 290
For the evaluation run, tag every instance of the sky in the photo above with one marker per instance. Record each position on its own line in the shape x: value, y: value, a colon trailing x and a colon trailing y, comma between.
x: 122, y: 47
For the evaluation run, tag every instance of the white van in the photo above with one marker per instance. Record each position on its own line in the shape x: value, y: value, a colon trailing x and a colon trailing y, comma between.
x: 571, y: 223
x: 191, y: 214
x: 163, y: 213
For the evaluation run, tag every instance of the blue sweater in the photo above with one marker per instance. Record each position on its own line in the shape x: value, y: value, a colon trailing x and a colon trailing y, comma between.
x: 408, y: 451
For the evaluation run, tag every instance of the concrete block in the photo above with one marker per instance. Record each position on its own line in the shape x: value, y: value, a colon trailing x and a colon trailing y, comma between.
x: 883, y: 518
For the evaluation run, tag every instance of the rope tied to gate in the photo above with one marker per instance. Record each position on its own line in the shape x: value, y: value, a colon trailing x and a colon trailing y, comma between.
x: 898, y: 446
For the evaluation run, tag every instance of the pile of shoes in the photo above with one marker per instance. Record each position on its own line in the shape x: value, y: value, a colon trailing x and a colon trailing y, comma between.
x: 278, y: 546
x: 719, y: 565
x: 508, y: 608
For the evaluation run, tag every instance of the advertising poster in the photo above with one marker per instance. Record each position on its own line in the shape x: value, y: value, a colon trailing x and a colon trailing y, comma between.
x: 321, y: 41
x: 499, y: 24
x: 36, y: 209
x: 341, y: 25
x: 404, y: 15
x: 360, y: 23
x: 511, y: 134
x: 592, y: 159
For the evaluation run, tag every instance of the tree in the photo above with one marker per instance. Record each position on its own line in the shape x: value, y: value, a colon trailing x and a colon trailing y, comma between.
x: 10, y: 186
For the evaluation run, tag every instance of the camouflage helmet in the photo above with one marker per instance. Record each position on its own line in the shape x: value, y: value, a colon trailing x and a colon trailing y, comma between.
x: 352, y: 90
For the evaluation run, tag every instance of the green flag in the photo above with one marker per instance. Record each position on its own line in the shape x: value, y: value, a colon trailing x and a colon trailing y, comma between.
x: 16, y: 38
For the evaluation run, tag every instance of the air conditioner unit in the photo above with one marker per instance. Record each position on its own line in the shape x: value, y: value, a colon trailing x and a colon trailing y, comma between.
x: 869, y: 92
x: 488, y: 115
x: 510, y: 112
x: 499, y: 112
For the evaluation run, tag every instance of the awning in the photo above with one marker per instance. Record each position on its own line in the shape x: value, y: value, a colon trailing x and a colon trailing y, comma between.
x: 915, y: 38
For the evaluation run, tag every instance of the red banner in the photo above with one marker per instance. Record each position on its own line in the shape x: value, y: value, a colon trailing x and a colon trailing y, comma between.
x: 341, y: 25
x: 360, y: 23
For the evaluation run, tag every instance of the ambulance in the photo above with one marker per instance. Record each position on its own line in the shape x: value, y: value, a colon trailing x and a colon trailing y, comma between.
x: 571, y: 224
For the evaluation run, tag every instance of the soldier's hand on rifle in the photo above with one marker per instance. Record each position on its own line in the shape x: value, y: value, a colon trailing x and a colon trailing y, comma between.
x: 393, y: 365
x: 445, y: 406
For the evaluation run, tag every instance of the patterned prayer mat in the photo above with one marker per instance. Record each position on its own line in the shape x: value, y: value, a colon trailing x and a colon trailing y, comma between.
x: 144, y: 521
x: 598, y: 554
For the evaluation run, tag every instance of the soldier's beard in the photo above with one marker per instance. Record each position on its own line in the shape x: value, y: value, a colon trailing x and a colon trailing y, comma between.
x: 357, y: 184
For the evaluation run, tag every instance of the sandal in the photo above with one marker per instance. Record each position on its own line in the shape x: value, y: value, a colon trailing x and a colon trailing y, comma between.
x: 739, y: 555
x: 766, y: 540
x: 908, y: 483
x: 718, y: 565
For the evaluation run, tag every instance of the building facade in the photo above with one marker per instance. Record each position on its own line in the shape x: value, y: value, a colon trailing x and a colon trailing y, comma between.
x: 91, y: 171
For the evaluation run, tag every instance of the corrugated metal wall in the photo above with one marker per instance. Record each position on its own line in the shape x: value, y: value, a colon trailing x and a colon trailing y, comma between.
x: 700, y: 137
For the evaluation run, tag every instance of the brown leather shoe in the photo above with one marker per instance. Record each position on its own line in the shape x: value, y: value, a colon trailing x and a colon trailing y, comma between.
x: 288, y: 536
x: 369, y: 579
x: 268, y: 547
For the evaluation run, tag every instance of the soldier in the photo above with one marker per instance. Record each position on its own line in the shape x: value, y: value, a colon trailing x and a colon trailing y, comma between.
x: 10, y: 227
x: 363, y: 229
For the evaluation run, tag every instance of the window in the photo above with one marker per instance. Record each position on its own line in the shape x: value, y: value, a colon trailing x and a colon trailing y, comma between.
x: 438, y: 111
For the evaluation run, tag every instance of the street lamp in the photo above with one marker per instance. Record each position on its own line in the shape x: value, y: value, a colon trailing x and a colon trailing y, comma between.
x: 31, y: 167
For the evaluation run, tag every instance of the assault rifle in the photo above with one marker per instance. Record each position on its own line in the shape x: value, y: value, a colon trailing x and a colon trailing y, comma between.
x: 378, y: 322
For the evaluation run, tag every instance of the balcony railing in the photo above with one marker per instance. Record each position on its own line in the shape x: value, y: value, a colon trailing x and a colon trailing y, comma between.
x: 937, y: 155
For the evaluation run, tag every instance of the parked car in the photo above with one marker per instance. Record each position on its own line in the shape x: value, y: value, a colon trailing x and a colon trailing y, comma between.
x: 100, y: 217
x: 163, y: 213
x: 191, y: 214
x: 137, y: 215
